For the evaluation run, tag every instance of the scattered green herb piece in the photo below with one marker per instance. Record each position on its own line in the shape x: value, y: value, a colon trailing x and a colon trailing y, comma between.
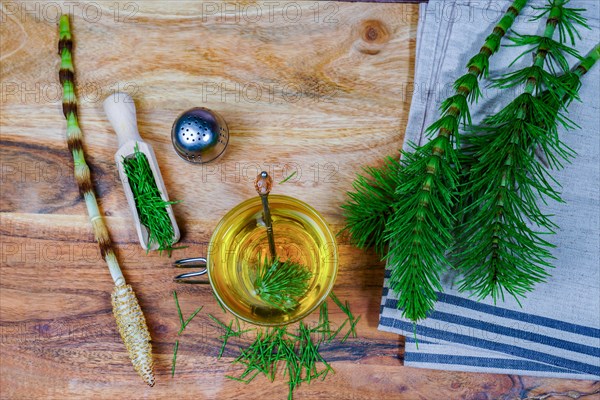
x: 353, y: 326
x: 263, y: 354
x: 309, y: 355
x: 352, y: 329
x: 324, y: 325
x: 219, y: 302
x: 280, y: 285
x: 351, y: 318
x: 225, y: 338
x: 182, y: 325
x: 178, y: 247
x: 289, y: 177
x: 178, y: 308
x: 337, y: 301
x: 187, y: 321
x: 149, y: 203
x: 229, y: 332
x: 174, y: 357
x: 246, y: 381
x: 295, y: 353
x: 334, y: 334
x: 217, y: 321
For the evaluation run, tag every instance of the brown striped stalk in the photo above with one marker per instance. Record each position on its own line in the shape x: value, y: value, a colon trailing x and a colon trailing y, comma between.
x: 126, y: 309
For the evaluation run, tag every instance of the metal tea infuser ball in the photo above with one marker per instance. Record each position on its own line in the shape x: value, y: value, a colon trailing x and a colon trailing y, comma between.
x: 199, y: 135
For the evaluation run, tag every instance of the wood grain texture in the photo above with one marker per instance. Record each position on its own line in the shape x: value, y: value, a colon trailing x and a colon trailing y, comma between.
x: 317, y: 88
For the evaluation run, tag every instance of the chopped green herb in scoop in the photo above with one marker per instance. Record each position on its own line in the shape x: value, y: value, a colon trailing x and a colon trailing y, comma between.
x: 151, y: 207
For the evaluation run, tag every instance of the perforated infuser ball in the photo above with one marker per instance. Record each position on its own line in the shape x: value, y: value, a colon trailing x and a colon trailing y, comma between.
x: 200, y: 135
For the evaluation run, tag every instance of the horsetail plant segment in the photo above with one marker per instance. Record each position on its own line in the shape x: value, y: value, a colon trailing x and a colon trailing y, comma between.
x: 498, y: 250
x: 419, y: 230
x: 407, y: 207
x: 370, y: 205
x: 280, y: 284
x: 126, y: 309
x: 567, y: 90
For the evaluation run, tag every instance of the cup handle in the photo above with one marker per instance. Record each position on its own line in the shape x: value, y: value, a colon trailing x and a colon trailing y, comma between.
x: 191, y: 263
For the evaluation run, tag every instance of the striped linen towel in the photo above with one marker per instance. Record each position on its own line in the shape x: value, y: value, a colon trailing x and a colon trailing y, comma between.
x: 556, y: 332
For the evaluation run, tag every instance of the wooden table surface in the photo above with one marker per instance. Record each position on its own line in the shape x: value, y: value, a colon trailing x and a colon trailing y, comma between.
x: 320, y: 88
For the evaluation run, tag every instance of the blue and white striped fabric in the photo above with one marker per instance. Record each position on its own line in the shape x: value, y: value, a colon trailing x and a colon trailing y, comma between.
x: 556, y: 332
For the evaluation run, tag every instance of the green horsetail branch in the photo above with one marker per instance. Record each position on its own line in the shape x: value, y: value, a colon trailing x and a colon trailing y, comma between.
x: 419, y: 230
x: 128, y: 314
x: 559, y: 98
x: 280, y: 284
x: 501, y: 242
x: 370, y: 205
x: 587, y: 63
x: 407, y: 206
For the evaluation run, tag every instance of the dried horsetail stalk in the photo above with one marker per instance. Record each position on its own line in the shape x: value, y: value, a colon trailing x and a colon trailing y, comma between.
x: 126, y: 309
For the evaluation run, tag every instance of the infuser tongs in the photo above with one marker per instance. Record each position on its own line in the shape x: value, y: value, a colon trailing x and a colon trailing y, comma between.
x: 195, y: 262
x: 263, y: 185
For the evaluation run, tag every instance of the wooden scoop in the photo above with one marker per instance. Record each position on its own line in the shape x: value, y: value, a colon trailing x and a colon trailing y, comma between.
x: 120, y: 110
